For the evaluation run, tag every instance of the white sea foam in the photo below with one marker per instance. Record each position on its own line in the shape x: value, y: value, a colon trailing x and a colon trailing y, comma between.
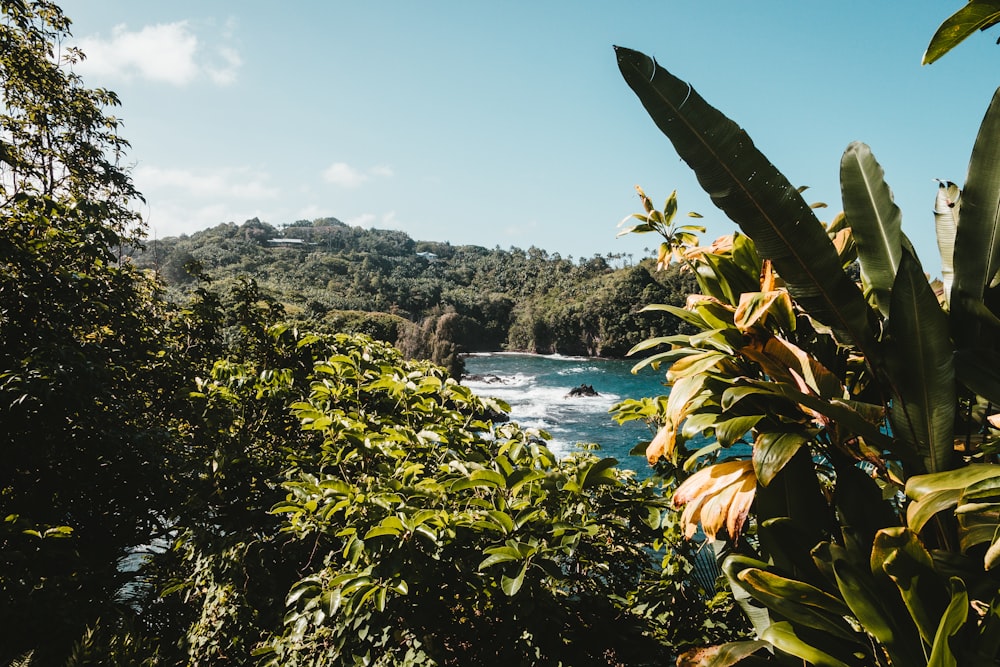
x: 536, y: 388
x: 577, y: 370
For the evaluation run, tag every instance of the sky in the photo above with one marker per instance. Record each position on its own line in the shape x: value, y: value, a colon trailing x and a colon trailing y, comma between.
x: 508, y: 123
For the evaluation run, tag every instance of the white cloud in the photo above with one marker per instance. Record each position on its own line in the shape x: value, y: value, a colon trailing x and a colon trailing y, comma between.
x: 183, y: 201
x: 226, y: 74
x: 166, y: 52
x: 346, y: 176
x: 169, y: 218
x: 311, y: 212
x: 389, y: 221
x: 384, y: 221
x: 227, y: 182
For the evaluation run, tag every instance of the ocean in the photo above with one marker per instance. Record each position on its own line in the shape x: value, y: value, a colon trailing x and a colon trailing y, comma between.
x: 537, y: 386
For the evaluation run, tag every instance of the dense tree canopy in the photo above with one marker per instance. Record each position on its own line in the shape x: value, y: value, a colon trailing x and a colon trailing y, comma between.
x: 78, y: 363
x: 496, y: 299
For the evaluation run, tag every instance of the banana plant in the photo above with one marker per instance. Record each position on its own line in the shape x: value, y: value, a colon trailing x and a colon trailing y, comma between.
x: 845, y: 394
x: 976, y: 15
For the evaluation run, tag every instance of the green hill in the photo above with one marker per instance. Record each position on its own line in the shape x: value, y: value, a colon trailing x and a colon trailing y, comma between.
x: 432, y: 299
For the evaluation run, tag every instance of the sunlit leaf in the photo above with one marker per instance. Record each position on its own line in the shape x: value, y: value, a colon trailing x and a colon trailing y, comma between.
x: 975, y: 15
x: 875, y: 220
x: 771, y: 451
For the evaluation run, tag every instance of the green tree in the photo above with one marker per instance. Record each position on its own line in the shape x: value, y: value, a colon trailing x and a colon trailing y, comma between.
x: 393, y: 525
x: 79, y: 484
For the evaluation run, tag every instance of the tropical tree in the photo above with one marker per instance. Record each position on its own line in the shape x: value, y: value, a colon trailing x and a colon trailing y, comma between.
x: 856, y: 495
x: 385, y: 520
x: 80, y: 376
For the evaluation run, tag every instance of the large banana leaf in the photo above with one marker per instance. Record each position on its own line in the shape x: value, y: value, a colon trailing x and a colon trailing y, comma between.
x: 874, y: 218
x: 977, y: 239
x: 919, y: 362
x: 979, y: 371
x: 976, y: 15
x: 755, y: 195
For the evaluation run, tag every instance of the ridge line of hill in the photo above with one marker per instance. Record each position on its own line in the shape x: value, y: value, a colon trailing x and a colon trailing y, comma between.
x: 431, y: 299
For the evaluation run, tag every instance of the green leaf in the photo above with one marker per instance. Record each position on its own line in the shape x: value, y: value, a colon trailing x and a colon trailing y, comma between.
x: 732, y: 566
x: 977, y: 239
x: 874, y: 219
x: 755, y: 195
x: 920, y: 485
x: 772, y: 309
x: 286, y: 508
x: 505, y: 555
x: 979, y: 370
x: 879, y: 615
x: 919, y: 362
x: 900, y: 554
x: 978, y: 512
x: 919, y: 512
x: 485, y: 478
x: 655, y: 342
x: 301, y: 589
x: 511, y: 585
x: 798, y: 602
x: 337, y: 486
x: 976, y: 15
x: 382, y: 531
x: 745, y: 254
x: 732, y: 430
x: 772, y: 451
x: 692, y: 461
x: 601, y: 472
x: 952, y: 621
x: 732, y: 279
x: 523, y: 476
x: 331, y: 601
x: 694, y: 319
x: 933, y: 493
x: 661, y: 358
x: 502, y: 519
x: 783, y: 636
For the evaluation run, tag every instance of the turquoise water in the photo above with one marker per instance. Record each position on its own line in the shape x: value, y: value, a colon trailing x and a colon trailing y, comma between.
x: 536, y: 388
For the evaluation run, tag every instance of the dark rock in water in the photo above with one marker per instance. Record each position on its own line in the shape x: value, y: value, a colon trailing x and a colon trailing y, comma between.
x: 488, y: 378
x: 582, y: 390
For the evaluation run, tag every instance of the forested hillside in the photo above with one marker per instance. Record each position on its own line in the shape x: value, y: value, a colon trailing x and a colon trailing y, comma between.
x: 430, y: 298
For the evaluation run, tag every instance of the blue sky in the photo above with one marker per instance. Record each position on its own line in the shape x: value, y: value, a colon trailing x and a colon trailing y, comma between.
x: 507, y: 123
